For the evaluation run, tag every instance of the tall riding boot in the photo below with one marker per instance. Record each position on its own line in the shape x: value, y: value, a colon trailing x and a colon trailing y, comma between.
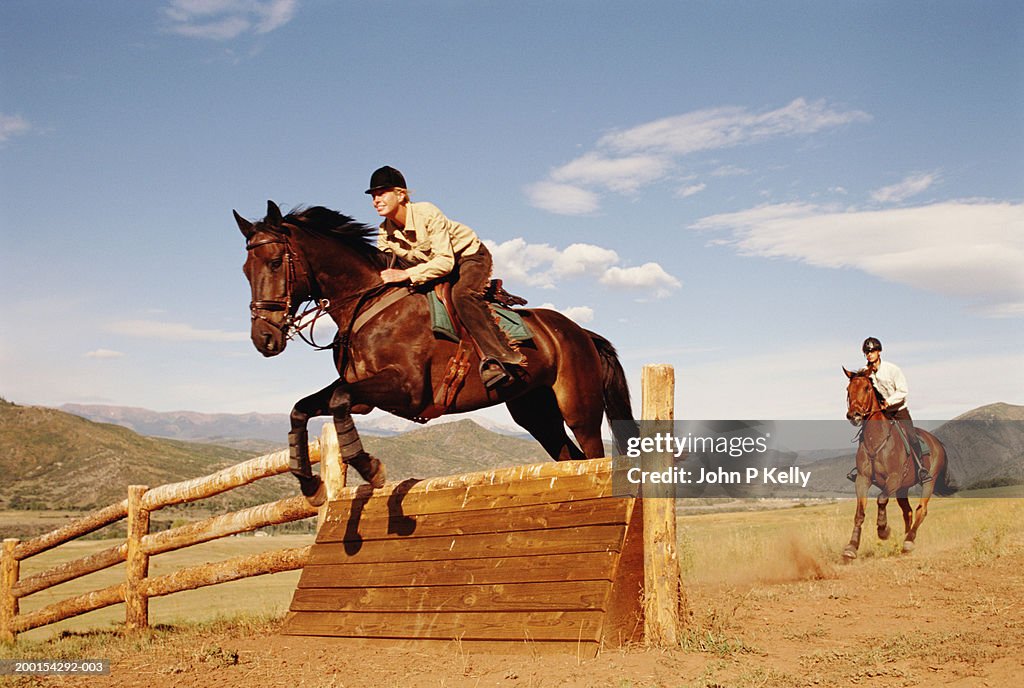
x: 496, y: 352
x: 903, y: 416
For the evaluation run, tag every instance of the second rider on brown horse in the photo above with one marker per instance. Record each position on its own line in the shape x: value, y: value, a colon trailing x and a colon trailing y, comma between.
x: 891, y: 386
x: 436, y: 247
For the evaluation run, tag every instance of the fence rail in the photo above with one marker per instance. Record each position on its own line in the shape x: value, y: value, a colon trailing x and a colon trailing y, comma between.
x: 140, y: 544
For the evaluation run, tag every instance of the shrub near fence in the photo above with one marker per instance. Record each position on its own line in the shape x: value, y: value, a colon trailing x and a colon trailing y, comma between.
x: 140, y: 544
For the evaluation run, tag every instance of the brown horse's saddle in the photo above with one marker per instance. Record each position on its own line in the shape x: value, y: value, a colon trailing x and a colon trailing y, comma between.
x: 445, y: 322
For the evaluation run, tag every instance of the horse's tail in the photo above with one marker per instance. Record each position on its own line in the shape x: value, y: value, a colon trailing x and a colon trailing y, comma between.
x: 943, y: 486
x: 617, y: 405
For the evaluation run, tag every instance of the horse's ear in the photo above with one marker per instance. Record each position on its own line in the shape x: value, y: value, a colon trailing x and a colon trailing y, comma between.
x: 848, y: 373
x: 273, y: 214
x: 244, y: 225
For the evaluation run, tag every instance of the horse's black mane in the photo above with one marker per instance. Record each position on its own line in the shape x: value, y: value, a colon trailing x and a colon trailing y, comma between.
x: 334, y: 225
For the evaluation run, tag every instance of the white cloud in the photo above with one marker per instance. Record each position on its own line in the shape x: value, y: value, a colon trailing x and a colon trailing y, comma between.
x: 226, y: 19
x: 173, y: 332
x: 649, y: 276
x: 13, y: 125
x: 911, y: 186
x: 624, y: 161
x: 972, y: 250
x: 624, y: 175
x: 564, y: 199
x: 542, y: 265
x: 691, y: 190
x: 726, y: 127
x: 104, y: 353
x: 578, y: 314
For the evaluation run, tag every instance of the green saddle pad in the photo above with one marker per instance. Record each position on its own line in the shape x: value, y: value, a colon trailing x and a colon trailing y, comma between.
x: 510, y: 322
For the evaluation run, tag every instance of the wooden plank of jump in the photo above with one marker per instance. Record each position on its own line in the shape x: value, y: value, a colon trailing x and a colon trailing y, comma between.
x: 347, y: 525
x: 425, y: 497
x: 490, y: 570
x: 507, y: 544
x: 557, y: 596
x: 488, y: 625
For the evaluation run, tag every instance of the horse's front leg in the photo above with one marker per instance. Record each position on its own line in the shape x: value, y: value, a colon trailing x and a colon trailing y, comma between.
x: 298, y: 442
x: 863, y: 484
x: 883, y: 526
x: 384, y: 389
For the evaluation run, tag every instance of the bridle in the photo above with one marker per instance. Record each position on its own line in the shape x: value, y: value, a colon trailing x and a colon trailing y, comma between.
x: 258, y: 307
x: 295, y: 322
x: 863, y: 418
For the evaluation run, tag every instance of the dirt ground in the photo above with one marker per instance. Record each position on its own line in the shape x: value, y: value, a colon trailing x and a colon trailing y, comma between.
x: 939, y: 619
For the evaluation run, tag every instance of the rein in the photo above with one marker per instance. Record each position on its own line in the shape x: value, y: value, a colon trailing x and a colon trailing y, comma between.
x: 294, y: 323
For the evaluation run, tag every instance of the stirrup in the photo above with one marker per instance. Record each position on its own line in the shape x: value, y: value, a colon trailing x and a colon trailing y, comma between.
x: 923, y: 475
x: 493, y: 374
x: 852, y: 475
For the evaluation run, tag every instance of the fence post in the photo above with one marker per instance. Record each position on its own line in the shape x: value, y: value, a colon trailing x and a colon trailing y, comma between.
x: 9, y: 572
x: 137, y: 564
x: 332, y: 470
x: 661, y: 558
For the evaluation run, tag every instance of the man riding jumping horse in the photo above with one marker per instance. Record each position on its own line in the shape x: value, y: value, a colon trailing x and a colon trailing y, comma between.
x: 438, y: 248
x: 891, y: 386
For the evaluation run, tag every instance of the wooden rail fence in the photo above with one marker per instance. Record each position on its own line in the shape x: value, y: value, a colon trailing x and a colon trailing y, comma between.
x: 140, y: 544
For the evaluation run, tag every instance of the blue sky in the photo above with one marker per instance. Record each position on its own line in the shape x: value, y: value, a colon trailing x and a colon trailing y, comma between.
x: 744, y: 190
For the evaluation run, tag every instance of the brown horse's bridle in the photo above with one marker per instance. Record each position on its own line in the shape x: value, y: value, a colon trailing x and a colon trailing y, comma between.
x: 258, y: 307
x: 295, y: 323
x: 864, y: 417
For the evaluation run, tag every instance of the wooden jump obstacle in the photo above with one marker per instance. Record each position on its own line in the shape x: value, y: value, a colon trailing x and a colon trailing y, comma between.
x: 538, y: 558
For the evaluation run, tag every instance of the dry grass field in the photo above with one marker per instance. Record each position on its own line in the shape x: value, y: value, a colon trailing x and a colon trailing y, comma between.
x: 768, y: 603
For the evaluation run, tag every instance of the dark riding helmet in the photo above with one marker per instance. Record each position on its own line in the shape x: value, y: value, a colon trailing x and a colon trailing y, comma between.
x: 386, y: 177
x: 871, y: 344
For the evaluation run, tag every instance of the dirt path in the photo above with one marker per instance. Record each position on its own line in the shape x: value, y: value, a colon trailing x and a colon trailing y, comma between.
x: 942, y: 619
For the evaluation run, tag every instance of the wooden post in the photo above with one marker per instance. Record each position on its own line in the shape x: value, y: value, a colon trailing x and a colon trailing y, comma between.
x: 332, y: 470
x: 137, y: 564
x: 9, y: 571
x: 661, y: 560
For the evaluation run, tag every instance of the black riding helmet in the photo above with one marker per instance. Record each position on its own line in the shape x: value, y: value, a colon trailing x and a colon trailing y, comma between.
x: 871, y: 344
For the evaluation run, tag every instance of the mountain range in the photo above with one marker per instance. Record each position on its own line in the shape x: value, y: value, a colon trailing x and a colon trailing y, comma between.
x: 223, y: 428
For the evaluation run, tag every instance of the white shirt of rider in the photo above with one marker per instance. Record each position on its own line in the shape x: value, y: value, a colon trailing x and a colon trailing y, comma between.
x: 890, y: 383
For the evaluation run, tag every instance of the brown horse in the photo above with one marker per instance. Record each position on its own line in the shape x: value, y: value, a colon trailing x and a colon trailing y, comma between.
x: 387, y: 356
x: 883, y: 459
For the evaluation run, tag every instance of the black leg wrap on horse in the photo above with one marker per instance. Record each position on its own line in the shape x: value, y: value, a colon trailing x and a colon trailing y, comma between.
x: 298, y: 454
x: 298, y: 463
x: 370, y: 469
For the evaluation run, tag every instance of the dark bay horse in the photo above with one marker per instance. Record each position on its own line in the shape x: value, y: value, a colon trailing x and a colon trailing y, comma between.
x: 883, y: 459
x: 387, y: 356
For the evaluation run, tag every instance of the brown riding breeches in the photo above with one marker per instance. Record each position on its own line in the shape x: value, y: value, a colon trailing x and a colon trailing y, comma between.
x: 471, y: 276
x: 903, y: 416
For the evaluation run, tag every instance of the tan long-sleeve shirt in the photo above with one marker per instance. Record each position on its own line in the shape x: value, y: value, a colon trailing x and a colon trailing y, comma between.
x: 429, y: 240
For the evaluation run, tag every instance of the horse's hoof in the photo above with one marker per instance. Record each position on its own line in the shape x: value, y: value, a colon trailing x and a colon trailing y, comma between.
x: 370, y: 469
x: 318, y: 498
x: 908, y: 547
x: 884, y: 534
x: 849, y: 554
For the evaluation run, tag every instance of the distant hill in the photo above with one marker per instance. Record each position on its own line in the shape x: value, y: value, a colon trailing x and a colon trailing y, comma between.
x: 985, y: 446
x: 57, y: 460
x: 225, y: 428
